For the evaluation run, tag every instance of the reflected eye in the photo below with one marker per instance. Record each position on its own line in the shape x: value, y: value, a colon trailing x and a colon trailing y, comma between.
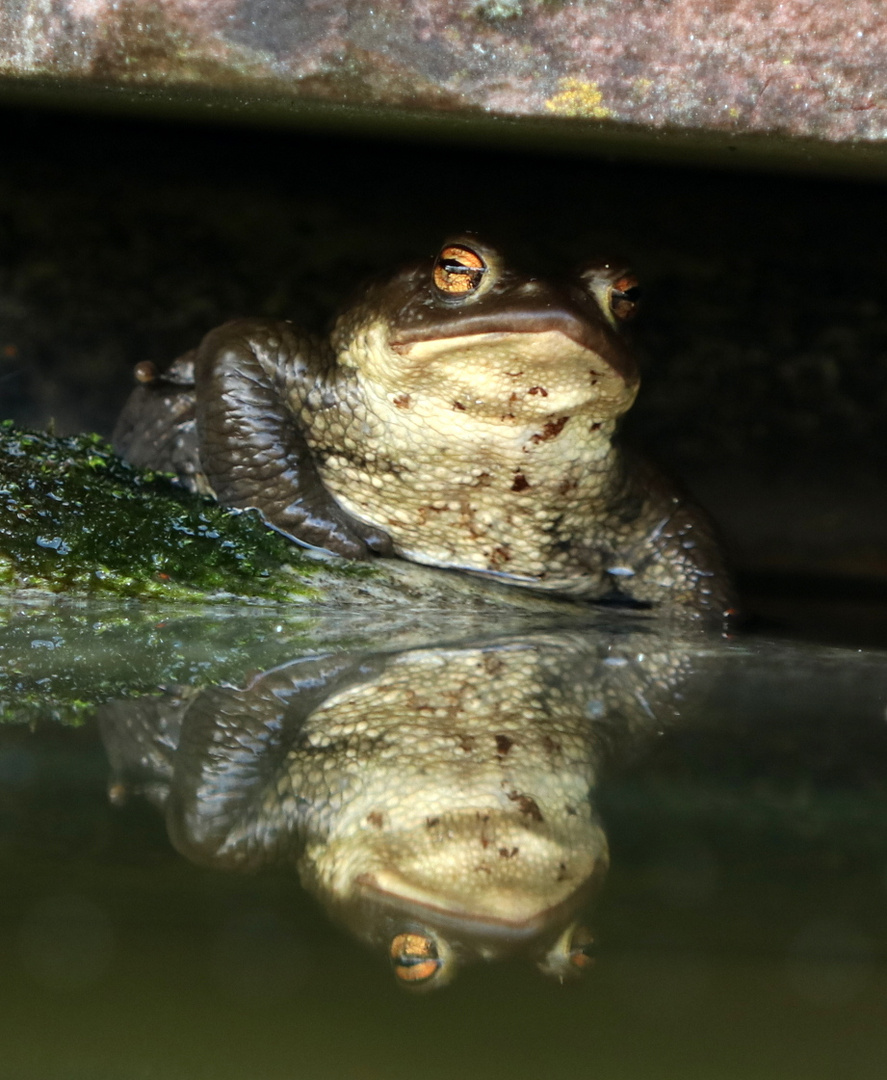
x: 415, y: 958
x: 571, y: 954
x: 581, y: 949
x: 624, y: 296
x: 459, y: 270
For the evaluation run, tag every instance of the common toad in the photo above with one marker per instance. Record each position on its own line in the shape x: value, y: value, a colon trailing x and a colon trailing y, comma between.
x: 462, y: 414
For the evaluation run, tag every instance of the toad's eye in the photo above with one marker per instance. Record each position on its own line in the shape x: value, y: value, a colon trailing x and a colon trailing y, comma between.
x: 459, y: 270
x: 624, y: 296
x: 414, y: 958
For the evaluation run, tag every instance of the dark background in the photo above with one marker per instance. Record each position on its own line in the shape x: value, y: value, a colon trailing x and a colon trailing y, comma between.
x: 763, y: 336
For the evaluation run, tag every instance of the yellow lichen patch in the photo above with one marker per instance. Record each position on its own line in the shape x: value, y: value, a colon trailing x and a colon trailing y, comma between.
x: 578, y: 98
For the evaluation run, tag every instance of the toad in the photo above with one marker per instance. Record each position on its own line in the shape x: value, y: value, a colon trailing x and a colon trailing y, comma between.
x: 462, y: 414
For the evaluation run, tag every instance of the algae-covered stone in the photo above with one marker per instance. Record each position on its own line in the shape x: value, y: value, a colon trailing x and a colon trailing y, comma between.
x: 74, y: 518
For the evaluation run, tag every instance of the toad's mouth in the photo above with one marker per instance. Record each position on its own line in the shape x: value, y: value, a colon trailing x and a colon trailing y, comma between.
x: 527, y: 921
x: 594, y: 337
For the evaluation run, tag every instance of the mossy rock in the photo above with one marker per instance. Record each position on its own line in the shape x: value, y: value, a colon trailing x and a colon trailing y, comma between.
x: 74, y: 518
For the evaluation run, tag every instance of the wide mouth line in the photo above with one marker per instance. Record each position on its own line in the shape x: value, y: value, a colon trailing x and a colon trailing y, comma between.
x: 579, y: 342
x: 485, y: 328
x: 490, y: 923
x: 418, y: 338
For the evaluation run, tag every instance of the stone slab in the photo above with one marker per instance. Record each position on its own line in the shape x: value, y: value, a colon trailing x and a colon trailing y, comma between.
x: 785, y: 67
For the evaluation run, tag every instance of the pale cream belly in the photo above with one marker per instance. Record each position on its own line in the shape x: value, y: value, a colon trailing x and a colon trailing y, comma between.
x: 451, y: 489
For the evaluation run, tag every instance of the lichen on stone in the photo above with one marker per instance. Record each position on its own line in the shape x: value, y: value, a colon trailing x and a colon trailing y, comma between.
x: 576, y: 97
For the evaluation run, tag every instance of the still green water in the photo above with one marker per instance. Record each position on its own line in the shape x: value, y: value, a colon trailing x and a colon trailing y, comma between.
x: 740, y: 786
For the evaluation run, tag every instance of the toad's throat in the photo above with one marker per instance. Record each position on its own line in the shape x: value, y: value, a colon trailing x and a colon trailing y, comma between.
x: 502, y: 377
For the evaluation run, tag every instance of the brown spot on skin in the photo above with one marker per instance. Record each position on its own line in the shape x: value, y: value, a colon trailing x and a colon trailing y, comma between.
x: 514, y: 397
x: 483, y: 869
x: 521, y: 483
x: 431, y: 822
x: 458, y: 405
x: 514, y: 374
x: 562, y: 872
x: 505, y: 853
x: 376, y: 819
x: 503, y: 745
x: 551, y: 745
x: 567, y: 486
x: 466, y: 743
x: 466, y: 519
x: 499, y: 556
x: 538, y: 390
x: 527, y: 805
x: 571, y: 811
x: 493, y: 664
x: 483, y: 480
x: 402, y: 401
x: 596, y: 426
x: 354, y: 458
x: 551, y: 430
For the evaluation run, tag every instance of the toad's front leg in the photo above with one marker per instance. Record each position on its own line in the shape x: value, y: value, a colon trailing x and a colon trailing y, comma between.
x: 251, y: 448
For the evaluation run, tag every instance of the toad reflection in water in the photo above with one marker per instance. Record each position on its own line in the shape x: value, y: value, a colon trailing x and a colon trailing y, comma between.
x: 437, y: 801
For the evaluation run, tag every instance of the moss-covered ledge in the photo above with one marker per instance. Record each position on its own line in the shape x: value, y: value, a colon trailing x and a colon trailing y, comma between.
x: 76, y: 520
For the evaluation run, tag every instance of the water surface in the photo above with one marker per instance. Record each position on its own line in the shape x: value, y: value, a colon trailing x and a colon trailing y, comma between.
x: 739, y: 786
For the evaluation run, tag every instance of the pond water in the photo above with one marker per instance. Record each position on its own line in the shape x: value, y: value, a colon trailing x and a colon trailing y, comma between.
x: 215, y: 824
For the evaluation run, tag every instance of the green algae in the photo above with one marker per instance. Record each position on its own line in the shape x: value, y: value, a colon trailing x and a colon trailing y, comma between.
x: 76, y: 519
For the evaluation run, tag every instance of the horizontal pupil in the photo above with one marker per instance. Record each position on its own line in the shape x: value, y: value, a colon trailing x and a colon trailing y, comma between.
x: 414, y: 961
